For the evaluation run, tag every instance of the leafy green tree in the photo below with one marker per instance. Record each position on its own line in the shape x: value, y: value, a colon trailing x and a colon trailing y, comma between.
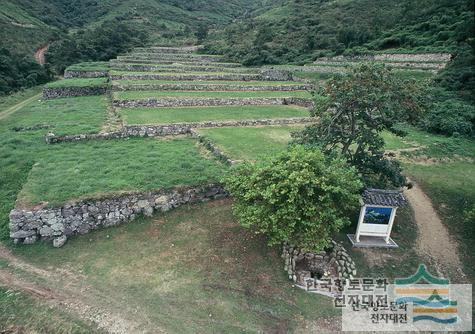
x: 300, y: 196
x: 353, y: 111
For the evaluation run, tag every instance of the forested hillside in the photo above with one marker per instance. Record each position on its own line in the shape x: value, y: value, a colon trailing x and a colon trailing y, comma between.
x: 301, y: 30
x: 82, y: 30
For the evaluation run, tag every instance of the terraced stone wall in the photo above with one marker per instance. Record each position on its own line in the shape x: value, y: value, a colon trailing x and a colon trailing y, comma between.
x: 185, y: 76
x: 57, y: 224
x: 171, y: 129
x: 206, y: 102
x: 85, y: 74
x: 213, y: 87
x: 58, y: 92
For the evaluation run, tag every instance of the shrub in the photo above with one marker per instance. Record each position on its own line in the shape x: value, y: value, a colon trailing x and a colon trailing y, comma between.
x: 299, y: 196
x: 450, y: 117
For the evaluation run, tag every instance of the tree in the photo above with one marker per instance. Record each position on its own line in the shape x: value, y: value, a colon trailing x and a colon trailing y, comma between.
x: 354, y: 109
x: 299, y: 196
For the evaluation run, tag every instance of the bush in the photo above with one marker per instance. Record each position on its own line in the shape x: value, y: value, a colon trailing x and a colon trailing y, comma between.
x: 299, y: 196
x: 450, y: 117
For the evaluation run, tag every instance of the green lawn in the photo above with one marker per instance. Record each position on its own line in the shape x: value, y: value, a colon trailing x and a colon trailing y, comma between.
x: 250, y: 143
x: 191, y: 270
x: 71, y: 115
x: 90, y: 66
x: 200, y: 114
x: 199, y: 94
x: 90, y: 169
x: 78, y: 82
x: 205, y: 82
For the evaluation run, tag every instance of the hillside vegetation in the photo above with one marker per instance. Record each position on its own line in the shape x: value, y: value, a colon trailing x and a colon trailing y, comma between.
x: 100, y: 30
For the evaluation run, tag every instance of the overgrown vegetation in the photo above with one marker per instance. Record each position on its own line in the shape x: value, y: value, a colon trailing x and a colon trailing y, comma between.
x: 299, y: 196
x: 100, y: 43
x: 300, y: 30
x: 17, y: 72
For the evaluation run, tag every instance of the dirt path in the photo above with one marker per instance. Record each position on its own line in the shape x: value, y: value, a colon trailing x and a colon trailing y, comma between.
x: 69, y: 291
x: 434, y: 240
x: 7, y: 112
x: 40, y: 54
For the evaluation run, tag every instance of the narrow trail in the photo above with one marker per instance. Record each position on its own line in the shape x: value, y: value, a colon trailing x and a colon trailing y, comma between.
x: 7, y: 112
x: 69, y: 291
x: 40, y: 54
x: 434, y: 241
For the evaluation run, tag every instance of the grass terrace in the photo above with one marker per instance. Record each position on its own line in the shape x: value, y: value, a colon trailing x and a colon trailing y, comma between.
x: 132, y: 95
x: 250, y: 143
x: 90, y: 66
x: 201, y: 114
x: 64, y: 116
x: 132, y: 73
x: 205, y: 82
x: 96, y: 168
x: 78, y: 82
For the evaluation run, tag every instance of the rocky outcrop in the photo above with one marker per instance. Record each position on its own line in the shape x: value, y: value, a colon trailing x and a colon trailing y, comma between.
x: 57, y: 224
x: 58, y: 92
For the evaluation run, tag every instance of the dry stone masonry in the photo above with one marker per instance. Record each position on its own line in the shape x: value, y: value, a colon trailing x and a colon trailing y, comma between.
x: 59, y: 92
x: 157, y: 130
x: 213, y: 87
x: 203, y: 102
x: 57, y: 224
x: 307, y: 268
x: 68, y: 74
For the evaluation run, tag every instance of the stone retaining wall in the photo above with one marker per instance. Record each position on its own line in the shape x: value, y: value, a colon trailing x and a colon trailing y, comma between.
x: 85, y: 74
x: 212, y: 148
x: 189, y: 102
x: 401, y: 57
x: 171, y: 129
x: 178, y: 68
x: 57, y: 224
x: 184, y: 76
x: 170, y: 62
x: 57, y: 92
x: 164, y: 49
x: 332, y: 263
x: 172, y: 57
x: 213, y: 87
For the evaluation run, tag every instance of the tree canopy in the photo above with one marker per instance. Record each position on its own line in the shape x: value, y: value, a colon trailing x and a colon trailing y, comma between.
x: 299, y: 196
x: 354, y: 109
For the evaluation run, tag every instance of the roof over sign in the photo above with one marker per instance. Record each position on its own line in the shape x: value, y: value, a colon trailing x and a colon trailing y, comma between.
x: 393, y: 198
